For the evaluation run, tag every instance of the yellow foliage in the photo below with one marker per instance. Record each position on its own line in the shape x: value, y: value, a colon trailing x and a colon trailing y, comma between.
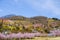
x: 49, y: 22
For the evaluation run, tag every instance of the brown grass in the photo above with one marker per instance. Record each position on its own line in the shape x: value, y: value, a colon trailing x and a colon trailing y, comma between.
x: 45, y: 38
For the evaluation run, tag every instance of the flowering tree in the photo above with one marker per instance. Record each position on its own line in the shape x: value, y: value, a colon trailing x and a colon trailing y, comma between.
x: 55, y: 32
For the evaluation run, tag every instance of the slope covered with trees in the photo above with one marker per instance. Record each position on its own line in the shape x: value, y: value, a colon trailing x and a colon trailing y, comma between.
x: 39, y: 25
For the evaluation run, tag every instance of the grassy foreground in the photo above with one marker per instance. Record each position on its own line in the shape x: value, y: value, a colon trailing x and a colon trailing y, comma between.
x: 45, y: 38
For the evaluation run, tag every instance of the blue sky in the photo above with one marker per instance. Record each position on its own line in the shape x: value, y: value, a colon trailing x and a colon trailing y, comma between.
x: 30, y: 8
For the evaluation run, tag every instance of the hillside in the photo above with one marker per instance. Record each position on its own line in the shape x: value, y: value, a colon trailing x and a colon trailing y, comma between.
x: 23, y: 24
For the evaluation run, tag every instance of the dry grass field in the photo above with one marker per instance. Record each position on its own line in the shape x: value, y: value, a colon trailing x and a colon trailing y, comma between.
x: 45, y: 38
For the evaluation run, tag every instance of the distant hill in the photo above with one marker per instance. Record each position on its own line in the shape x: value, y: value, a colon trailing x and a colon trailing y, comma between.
x: 13, y: 17
x: 36, y: 19
x: 40, y: 19
x: 8, y: 16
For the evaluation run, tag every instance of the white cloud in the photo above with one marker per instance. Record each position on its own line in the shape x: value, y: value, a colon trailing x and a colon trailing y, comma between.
x: 44, y: 4
x: 50, y: 6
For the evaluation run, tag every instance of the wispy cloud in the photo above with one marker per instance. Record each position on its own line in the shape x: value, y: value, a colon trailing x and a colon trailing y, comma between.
x: 49, y: 4
x: 44, y: 4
